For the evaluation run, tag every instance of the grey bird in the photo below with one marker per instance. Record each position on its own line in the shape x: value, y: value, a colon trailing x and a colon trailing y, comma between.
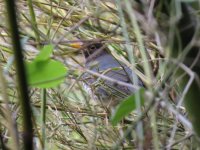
x: 99, y: 60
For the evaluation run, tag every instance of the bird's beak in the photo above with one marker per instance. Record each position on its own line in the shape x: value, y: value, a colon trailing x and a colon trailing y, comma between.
x: 77, y: 45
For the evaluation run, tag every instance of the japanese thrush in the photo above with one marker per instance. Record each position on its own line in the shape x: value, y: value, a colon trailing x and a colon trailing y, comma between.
x: 105, y: 86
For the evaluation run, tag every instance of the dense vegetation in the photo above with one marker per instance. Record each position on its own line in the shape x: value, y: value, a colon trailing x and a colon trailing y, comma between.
x: 43, y: 104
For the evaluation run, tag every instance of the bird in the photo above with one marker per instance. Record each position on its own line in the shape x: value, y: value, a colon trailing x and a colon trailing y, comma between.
x: 99, y: 60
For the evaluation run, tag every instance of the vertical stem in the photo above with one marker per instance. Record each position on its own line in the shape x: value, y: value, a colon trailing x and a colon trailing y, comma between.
x: 154, y: 128
x: 43, y: 112
x: 21, y: 76
x: 33, y: 20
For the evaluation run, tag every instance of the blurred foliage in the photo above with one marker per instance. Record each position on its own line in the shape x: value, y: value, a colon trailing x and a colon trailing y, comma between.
x: 44, y: 72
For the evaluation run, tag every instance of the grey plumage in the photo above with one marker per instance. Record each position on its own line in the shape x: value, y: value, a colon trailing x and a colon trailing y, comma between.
x: 98, y: 59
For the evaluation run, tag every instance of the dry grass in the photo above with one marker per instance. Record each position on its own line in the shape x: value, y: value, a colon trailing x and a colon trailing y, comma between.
x: 73, y: 119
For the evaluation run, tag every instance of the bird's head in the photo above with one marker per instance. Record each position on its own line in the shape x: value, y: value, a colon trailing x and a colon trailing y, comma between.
x: 91, y: 50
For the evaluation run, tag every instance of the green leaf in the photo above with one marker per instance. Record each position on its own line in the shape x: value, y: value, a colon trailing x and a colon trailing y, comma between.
x: 127, y: 106
x: 45, y: 53
x: 45, y: 74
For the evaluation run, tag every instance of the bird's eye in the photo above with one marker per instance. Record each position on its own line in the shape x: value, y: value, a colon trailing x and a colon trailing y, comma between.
x: 92, y: 47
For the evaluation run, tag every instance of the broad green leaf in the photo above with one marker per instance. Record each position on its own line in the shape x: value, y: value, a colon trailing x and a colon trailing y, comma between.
x: 127, y: 106
x: 45, y: 74
x: 45, y: 53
